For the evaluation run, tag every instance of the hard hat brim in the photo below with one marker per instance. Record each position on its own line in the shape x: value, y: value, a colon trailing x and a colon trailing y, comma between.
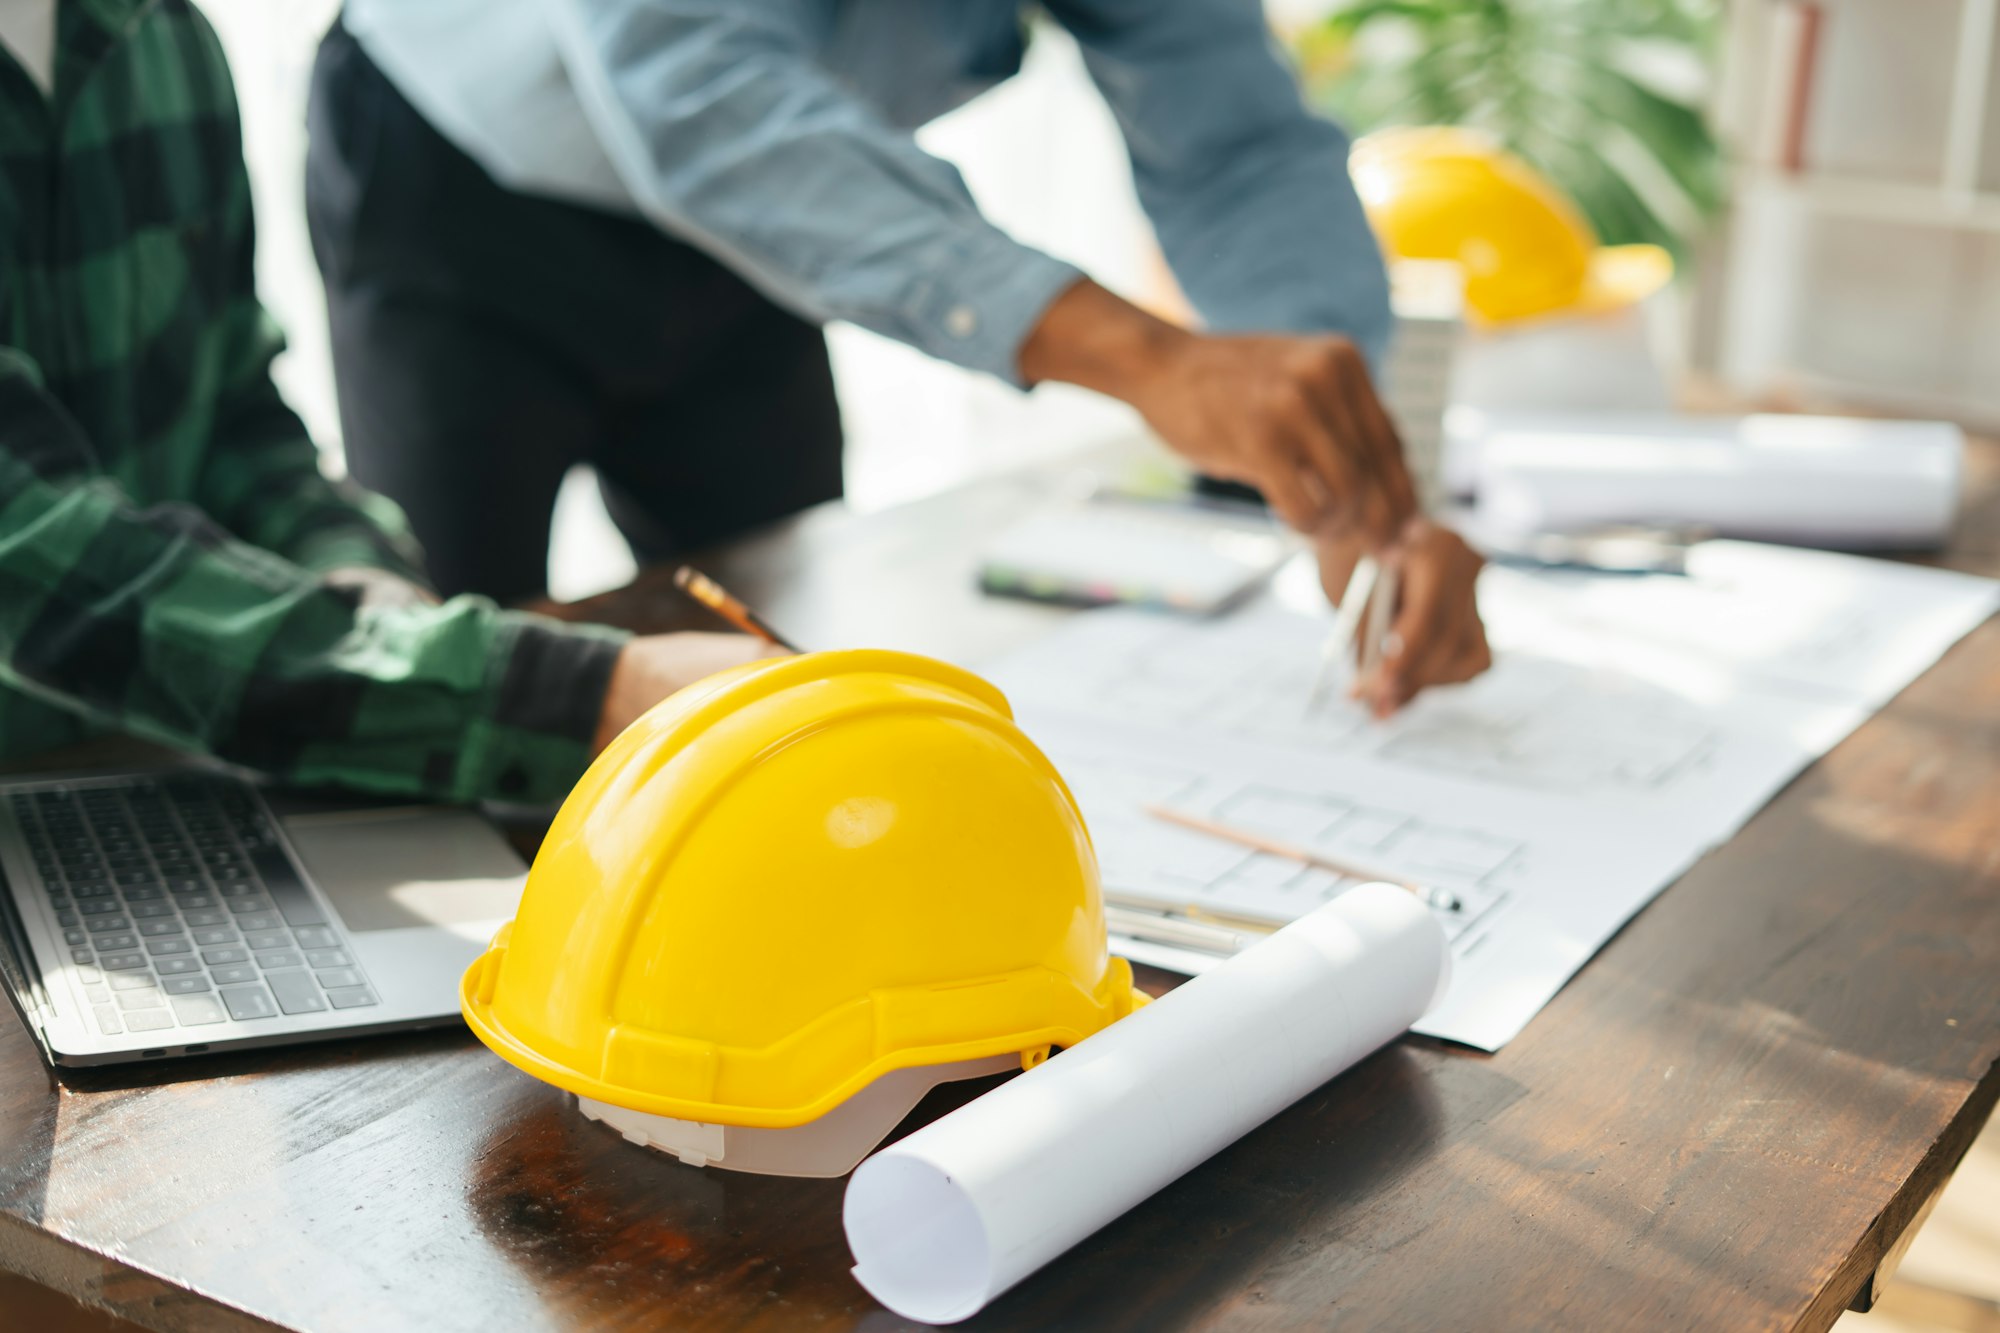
x: 1623, y: 275
x: 1119, y: 997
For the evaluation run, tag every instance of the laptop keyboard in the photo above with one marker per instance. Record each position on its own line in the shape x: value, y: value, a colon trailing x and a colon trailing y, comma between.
x: 178, y: 907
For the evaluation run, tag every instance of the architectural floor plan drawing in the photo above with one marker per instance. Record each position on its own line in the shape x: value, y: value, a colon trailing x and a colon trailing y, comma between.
x: 1628, y: 724
x: 1533, y: 720
x: 1162, y: 865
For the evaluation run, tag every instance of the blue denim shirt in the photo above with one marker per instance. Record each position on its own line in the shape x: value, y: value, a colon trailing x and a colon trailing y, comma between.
x: 776, y: 134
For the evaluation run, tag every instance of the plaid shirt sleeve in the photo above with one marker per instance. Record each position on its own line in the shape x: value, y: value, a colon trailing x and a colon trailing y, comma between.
x: 157, y: 622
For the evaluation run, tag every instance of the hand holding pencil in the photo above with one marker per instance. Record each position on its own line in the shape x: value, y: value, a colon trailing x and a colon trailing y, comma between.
x: 1421, y: 625
x: 653, y: 666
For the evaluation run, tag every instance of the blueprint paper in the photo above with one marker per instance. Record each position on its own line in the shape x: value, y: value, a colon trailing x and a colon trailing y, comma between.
x: 945, y: 1220
x: 1628, y: 725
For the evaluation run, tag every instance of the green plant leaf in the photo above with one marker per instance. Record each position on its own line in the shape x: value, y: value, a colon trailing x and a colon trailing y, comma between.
x: 1676, y: 135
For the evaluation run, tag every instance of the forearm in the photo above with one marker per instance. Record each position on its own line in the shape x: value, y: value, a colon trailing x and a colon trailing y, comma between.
x: 1097, y: 339
x: 156, y: 623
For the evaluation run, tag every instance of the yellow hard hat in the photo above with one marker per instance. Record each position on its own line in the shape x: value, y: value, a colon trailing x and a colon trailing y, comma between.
x: 795, y: 878
x: 1442, y: 192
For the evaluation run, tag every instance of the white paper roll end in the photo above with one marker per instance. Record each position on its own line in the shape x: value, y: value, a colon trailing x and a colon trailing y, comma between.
x: 969, y: 1205
x: 1373, y: 921
x: 919, y: 1245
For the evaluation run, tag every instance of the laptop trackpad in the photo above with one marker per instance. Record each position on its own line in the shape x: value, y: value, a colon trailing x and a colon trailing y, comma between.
x: 396, y: 868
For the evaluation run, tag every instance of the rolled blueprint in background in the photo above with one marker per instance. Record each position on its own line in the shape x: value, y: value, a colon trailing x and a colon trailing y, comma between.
x: 947, y: 1219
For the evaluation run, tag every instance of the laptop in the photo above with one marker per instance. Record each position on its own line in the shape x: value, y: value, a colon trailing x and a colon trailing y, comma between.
x: 147, y: 915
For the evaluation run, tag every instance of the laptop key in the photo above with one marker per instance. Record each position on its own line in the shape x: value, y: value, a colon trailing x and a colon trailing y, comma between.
x: 333, y: 978
x: 184, y: 985
x: 168, y: 967
x: 66, y: 918
x: 216, y: 957
x: 144, y: 894
x: 107, y: 1019
x: 248, y: 1002
x: 149, y: 1020
x: 98, y: 906
x: 255, y: 903
x: 215, y: 935
x: 328, y: 958
x: 155, y: 928
x: 204, y: 918
x: 229, y: 976
x: 297, y: 992
x: 97, y: 925
x: 117, y: 939
x: 195, y: 1010
x: 121, y: 962
x: 268, y: 939
x: 280, y: 958
x: 317, y: 937
x: 81, y: 955
x: 352, y: 997
x: 151, y: 909
x: 131, y: 980
x: 139, y: 999
x: 159, y: 948
x: 75, y: 936
x: 259, y: 921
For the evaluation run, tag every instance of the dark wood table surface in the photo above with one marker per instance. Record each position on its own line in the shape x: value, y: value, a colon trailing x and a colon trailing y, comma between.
x: 1724, y: 1121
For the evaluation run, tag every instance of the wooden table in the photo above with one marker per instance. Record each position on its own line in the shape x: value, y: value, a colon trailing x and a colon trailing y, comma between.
x: 1725, y: 1121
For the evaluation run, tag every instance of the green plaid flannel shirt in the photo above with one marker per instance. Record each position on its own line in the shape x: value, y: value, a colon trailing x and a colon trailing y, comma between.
x: 163, y: 520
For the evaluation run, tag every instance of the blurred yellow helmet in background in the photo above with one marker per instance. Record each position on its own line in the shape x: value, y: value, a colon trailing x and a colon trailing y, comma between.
x: 1447, y: 193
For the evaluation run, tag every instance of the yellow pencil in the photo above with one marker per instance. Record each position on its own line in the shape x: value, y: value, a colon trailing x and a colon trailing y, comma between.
x: 725, y: 604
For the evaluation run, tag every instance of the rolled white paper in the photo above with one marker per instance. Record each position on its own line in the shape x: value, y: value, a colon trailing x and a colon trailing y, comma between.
x: 947, y: 1219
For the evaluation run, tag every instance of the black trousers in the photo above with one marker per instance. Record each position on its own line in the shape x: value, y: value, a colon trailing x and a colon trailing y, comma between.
x: 484, y: 341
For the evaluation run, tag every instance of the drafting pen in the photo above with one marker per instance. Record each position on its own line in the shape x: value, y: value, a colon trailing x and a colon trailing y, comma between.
x: 1346, y: 626
x: 725, y: 604
x: 1440, y: 898
x: 1381, y: 615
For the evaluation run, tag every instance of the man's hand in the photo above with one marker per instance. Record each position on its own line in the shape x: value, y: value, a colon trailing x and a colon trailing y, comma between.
x: 1294, y: 416
x: 1435, y: 637
x: 1297, y: 418
x: 654, y: 666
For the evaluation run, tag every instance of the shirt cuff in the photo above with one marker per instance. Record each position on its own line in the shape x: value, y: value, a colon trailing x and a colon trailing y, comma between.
x: 537, y: 715
x: 978, y: 303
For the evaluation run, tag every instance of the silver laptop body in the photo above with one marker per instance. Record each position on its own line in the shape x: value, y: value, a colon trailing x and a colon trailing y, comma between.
x: 147, y: 915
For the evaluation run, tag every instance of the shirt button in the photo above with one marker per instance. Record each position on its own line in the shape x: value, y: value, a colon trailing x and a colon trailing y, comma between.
x: 961, y: 321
